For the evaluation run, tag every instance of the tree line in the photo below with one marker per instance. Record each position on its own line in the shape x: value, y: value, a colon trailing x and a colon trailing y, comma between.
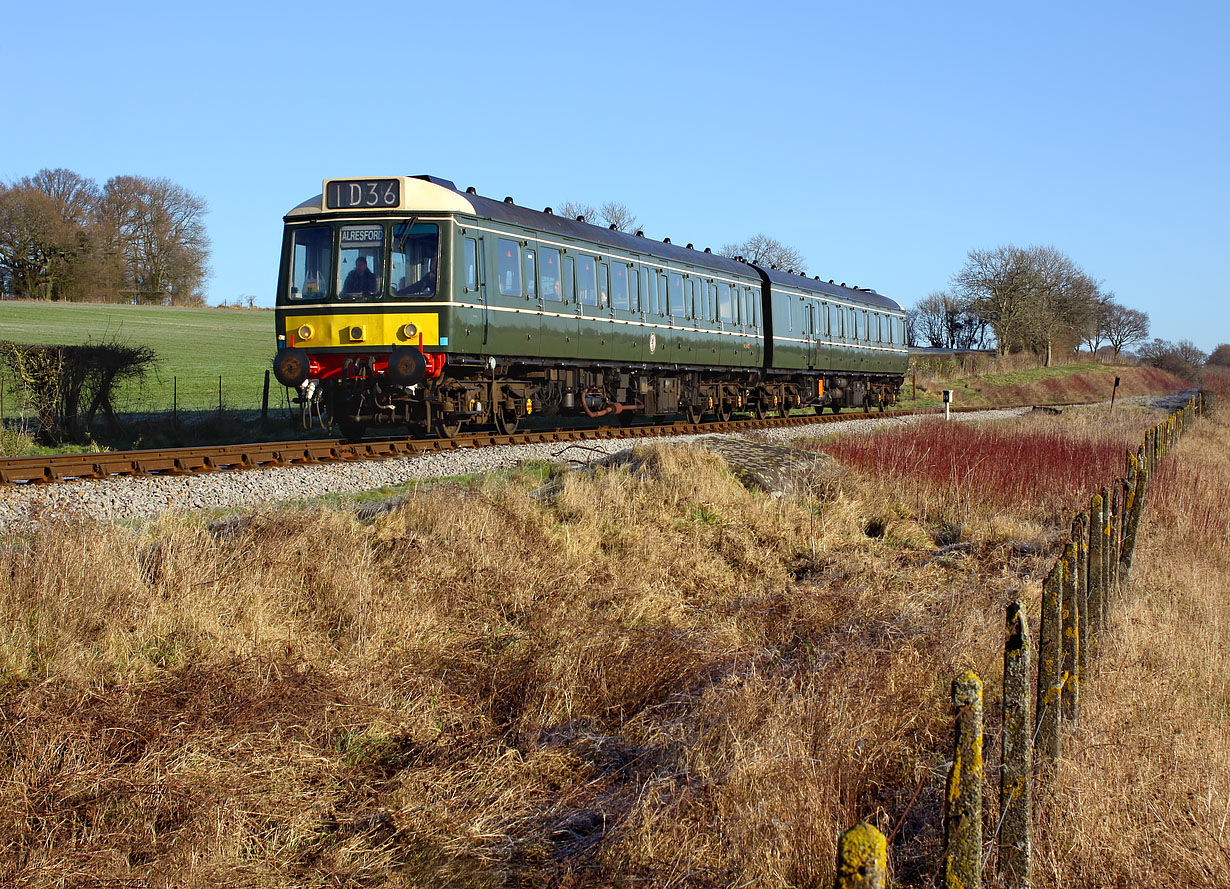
x: 135, y: 238
x: 1025, y: 299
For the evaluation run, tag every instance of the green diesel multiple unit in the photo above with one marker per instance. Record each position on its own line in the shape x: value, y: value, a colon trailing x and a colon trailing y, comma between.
x: 405, y: 301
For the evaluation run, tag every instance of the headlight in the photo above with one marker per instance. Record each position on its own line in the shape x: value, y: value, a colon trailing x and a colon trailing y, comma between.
x: 304, y: 332
x: 409, y: 331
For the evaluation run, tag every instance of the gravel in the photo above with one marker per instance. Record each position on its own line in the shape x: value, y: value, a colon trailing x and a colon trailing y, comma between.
x: 24, y: 506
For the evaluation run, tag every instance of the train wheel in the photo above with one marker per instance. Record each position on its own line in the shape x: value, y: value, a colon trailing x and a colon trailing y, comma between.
x: 506, y: 421
x: 693, y: 414
x: 351, y: 429
x: 724, y: 411
x: 758, y: 410
x: 835, y: 408
x: 447, y: 430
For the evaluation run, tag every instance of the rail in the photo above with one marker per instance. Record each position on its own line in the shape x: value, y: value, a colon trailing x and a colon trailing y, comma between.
x: 220, y: 458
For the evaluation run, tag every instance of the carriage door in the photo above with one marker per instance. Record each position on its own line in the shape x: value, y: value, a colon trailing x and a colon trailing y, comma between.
x: 809, y: 331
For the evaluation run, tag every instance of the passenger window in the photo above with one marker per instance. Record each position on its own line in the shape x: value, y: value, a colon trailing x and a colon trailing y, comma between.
x: 508, y: 268
x: 725, y: 312
x: 470, y: 251
x: 604, y: 285
x: 587, y: 290
x: 531, y: 287
x: 549, y: 271
x: 662, y: 300
x: 619, y: 286
x: 569, y: 276
x: 675, y: 306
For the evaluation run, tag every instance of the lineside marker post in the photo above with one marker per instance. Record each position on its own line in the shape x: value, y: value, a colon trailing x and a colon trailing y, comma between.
x: 1016, y: 774
x: 963, y: 802
x: 265, y: 400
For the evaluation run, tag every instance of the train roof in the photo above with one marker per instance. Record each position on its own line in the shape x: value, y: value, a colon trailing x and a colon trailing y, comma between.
x: 433, y: 193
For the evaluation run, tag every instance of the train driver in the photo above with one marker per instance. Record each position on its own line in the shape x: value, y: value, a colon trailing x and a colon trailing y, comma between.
x: 361, y: 281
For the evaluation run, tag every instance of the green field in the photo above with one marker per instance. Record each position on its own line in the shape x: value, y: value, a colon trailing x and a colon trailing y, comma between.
x: 194, y: 347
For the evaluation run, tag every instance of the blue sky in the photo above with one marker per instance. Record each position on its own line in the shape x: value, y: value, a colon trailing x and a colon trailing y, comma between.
x: 882, y: 140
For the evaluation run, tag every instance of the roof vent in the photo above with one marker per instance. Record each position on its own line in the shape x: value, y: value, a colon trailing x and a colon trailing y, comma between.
x: 830, y: 280
x: 707, y: 250
x: 549, y: 211
x: 580, y: 219
x: 666, y: 240
x: 639, y: 233
x: 815, y: 277
x: 611, y: 226
x: 471, y: 190
x: 843, y: 283
x: 790, y: 272
x: 508, y: 200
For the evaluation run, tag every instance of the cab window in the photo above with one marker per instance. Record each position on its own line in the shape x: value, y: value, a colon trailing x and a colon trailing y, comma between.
x: 412, y: 261
x: 311, y: 254
x: 360, y: 262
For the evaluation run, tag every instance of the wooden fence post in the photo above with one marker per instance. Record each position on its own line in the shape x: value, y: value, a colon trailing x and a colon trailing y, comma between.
x: 1080, y: 537
x: 1133, y: 519
x: 1095, y: 573
x: 1104, y: 586
x: 1071, y: 634
x: 1016, y: 772
x: 862, y: 858
x: 1050, y: 657
x: 963, y: 804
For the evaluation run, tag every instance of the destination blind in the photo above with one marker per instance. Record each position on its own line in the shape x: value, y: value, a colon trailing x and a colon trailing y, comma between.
x: 347, y: 194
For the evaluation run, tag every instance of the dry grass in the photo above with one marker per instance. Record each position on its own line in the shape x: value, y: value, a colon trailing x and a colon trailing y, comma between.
x: 1143, y: 796
x: 658, y: 677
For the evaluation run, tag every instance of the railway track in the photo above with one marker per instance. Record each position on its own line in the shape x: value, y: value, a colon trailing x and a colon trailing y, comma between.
x: 227, y: 458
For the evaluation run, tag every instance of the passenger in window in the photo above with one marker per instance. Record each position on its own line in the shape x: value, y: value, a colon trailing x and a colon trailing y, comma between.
x: 425, y: 286
x: 360, y: 281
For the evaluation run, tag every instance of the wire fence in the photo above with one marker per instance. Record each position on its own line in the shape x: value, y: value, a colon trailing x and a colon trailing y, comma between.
x: 1077, y: 597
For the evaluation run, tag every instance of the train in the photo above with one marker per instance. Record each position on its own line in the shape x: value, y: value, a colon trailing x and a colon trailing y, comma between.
x: 406, y: 302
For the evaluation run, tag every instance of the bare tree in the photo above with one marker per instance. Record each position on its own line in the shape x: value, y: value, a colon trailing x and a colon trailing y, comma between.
x: 573, y: 209
x: 766, y: 251
x: 1125, y: 326
x: 616, y: 214
x: 37, y: 246
x: 1098, y: 327
x: 1059, y: 298
x: 1034, y: 298
x: 946, y: 322
x: 1182, y: 358
x: 1220, y: 356
x: 993, y: 282
x: 155, y: 228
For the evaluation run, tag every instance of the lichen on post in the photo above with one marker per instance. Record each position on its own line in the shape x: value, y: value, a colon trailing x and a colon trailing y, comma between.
x: 862, y: 858
x: 1050, y: 654
x: 1071, y: 634
x: 1016, y: 773
x: 1080, y: 538
x: 963, y: 802
x: 1097, y: 523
